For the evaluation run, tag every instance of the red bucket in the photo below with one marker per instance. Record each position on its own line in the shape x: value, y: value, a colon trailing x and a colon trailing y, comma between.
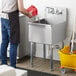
x: 34, y: 9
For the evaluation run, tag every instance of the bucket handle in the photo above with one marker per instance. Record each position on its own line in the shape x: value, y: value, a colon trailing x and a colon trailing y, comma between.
x: 73, y: 35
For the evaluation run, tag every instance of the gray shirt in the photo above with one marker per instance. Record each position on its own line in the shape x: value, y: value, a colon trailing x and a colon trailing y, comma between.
x: 8, y: 6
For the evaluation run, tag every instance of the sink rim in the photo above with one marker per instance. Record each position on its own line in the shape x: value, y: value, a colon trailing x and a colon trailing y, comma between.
x: 32, y: 23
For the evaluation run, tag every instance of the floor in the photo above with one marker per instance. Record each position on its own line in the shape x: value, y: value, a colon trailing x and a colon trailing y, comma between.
x: 37, y: 73
x: 42, y: 65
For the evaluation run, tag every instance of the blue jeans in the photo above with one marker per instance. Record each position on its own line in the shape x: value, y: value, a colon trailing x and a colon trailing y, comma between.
x: 5, y: 27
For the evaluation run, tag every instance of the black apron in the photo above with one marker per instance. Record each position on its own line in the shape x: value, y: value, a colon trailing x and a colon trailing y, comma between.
x: 14, y: 27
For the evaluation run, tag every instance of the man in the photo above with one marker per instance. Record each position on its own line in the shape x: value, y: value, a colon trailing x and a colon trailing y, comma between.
x: 10, y: 28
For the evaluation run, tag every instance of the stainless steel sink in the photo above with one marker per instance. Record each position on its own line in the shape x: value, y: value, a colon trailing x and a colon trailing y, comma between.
x: 46, y: 33
x: 50, y: 32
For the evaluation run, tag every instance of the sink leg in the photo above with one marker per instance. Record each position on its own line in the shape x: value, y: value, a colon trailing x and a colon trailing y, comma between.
x: 62, y: 44
x: 44, y: 51
x: 51, y: 59
x: 34, y: 48
x: 31, y: 54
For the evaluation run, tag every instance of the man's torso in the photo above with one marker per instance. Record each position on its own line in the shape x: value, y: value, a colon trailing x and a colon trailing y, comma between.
x: 8, y: 6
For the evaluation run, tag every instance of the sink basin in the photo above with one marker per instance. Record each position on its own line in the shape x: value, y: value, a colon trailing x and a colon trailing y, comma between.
x: 46, y: 33
x: 42, y: 21
x: 50, y: 30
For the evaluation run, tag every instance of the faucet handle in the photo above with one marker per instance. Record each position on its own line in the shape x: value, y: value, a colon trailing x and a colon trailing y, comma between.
x: 52, y: 10
x: 58, y: 11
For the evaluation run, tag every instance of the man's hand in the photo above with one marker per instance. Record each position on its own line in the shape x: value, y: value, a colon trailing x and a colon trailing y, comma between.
x: 23, y: 10
x: 30, y: 14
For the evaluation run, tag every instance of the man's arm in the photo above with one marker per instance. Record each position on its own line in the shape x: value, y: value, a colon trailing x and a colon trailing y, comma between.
x: 23, y: 10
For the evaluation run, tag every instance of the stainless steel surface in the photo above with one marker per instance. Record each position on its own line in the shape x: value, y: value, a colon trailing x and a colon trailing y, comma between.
x: 31, y: 54
x: 44, y: 49
x: 40, y: 33
x: 46, y: 33
x: 51, y: 33
x: 54, y: 18
x: 51, y: 59
x: 54, y: 10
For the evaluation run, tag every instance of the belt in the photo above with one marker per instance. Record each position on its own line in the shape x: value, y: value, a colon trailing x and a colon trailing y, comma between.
x: 4, y: 12
x: 10, y: 12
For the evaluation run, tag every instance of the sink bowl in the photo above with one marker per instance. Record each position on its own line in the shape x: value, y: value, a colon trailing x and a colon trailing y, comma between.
x: 42, y: 21
x: 50, y: 30
x: 46, y: 33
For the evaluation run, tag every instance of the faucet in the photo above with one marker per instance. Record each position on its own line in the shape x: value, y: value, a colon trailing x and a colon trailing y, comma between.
x: 58, y: 11
x: 50, y: 10
x: 53, y: 10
